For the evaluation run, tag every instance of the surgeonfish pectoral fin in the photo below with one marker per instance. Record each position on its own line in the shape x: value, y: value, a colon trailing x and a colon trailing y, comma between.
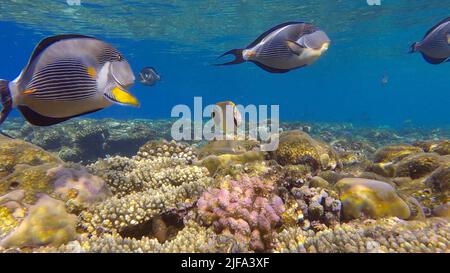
x: 294, y: 47
x: 237, y: 55
x: 123, y: 97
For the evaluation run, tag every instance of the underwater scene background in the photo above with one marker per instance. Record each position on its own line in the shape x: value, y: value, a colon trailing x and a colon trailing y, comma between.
x: 363, y: 163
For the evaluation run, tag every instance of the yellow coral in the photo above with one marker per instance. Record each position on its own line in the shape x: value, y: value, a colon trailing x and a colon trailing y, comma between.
x: 370, y: 198
x: 213, y: 162
x: 395, y: 153
x: 47, y: 223
x: 7, y: 221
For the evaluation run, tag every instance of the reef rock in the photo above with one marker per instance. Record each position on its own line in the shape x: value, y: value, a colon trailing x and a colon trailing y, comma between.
x: 370, y: 198
x: 441, y: 147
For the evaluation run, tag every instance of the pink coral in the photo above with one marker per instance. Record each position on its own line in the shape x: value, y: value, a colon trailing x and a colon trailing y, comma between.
x: 247, y: 208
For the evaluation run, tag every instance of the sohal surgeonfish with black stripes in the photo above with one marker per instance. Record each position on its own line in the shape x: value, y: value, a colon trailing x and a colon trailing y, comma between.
x: 68, y: 76
x: 435, y: 46
x: 283, y: 48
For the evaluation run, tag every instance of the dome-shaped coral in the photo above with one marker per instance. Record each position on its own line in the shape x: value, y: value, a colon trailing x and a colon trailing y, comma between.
x: 417, y: 165
x: 370, y: 198
x: 297, y: 147
x: 47, y: 223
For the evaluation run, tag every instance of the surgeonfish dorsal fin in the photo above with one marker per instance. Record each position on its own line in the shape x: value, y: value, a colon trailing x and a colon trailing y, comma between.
x: 45, y: 43
x: 262, y: 36
x: 295, y: 47
x: 436, y: 26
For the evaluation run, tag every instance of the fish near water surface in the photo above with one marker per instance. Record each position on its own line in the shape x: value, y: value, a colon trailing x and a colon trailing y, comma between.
x: 435, y: 46
x: 283, y: 48
x: 68, y: 76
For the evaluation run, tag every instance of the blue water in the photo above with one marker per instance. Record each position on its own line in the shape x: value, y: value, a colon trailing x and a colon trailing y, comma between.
x: 182, y: 39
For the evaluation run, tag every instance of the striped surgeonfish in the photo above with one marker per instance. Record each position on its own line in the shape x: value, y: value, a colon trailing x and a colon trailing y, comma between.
x: 283, y: 48
x: 68, y: 76
x: 435, y: 46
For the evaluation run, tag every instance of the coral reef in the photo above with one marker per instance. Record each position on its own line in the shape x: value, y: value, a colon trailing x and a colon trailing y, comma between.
x: 245, y: 208
x: 328, y: 188
x: 87, y: 140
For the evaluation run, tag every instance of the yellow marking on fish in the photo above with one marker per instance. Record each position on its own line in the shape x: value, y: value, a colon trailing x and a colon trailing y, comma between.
x: 251, y: 54
x: 92, y: 72
x: 29, y: 91
x: 225, y: 103
x: 124, y: 97
x: 448, y: 38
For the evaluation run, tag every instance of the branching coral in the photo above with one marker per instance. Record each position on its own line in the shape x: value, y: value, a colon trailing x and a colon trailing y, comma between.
x: 192, y: 239
x: 171, y: 149
x: 385, y: 235
x: 155, y: 185
x: 246, y: 208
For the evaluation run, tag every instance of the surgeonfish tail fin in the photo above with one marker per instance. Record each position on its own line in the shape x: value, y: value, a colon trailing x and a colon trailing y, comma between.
x: 6, y: 100
x: 413, y: 48
x: 237, y: 53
